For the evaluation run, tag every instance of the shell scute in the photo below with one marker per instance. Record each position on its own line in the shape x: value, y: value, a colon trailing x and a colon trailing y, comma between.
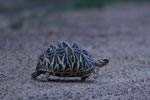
x: 65, y: 59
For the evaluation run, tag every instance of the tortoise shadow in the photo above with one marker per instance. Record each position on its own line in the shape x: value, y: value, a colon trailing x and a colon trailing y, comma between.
x: 67, y: 81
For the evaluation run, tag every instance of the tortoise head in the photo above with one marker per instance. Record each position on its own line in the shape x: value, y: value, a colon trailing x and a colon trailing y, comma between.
x: 101, y: 62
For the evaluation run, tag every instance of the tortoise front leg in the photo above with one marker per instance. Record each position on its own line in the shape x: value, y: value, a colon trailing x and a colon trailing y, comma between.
x: 35, y: 74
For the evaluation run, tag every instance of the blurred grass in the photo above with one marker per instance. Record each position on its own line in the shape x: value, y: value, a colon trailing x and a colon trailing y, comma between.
x: 17, y: 24
x: 94, y: 3
x: 65, y: 6
x: 80, y: 4
x: 91, y: 3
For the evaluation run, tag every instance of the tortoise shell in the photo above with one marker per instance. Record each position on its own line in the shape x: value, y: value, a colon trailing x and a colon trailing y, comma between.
x: 65, y: 59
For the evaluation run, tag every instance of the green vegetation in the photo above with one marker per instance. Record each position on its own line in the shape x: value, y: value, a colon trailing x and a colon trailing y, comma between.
x: 70, y: 5
x: 17, y: 24
x: 80, y: 4
x: 91, y: 3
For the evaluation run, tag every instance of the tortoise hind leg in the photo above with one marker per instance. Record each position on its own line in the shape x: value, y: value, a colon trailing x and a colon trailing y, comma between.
x: 47, y: 76
x: 35, y: 74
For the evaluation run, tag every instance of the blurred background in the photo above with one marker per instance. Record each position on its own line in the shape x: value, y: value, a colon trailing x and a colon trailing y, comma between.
x: 53, y: 5
x: 22, y: 10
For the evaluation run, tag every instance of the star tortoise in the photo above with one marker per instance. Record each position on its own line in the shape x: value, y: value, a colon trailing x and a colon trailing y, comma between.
x: 67, y: 60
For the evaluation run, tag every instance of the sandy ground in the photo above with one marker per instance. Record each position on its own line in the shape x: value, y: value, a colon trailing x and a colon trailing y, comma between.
x: 120, y: 33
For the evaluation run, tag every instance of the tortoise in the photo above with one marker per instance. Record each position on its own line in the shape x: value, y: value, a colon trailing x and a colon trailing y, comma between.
x: 67, y: 60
